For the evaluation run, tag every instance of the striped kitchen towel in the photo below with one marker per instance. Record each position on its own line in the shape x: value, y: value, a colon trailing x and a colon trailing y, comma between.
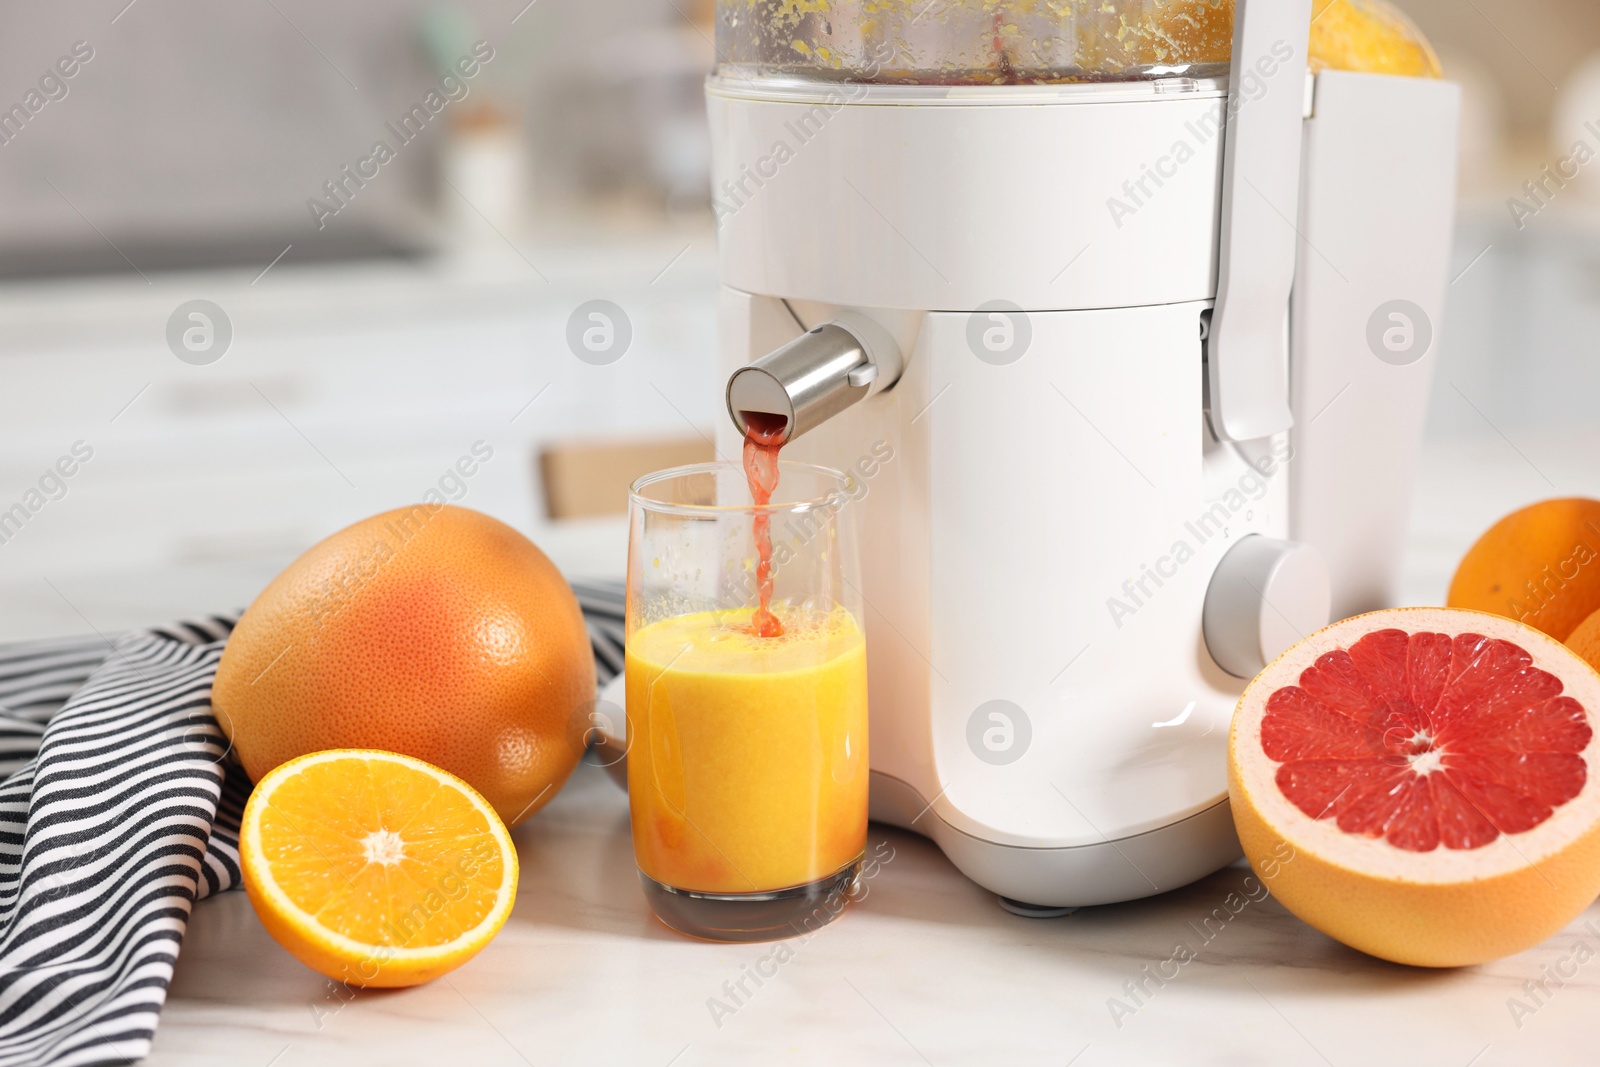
x: 119, y: 808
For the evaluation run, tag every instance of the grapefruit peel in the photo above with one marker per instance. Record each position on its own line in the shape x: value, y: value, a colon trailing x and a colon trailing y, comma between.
x: 1513, y: 864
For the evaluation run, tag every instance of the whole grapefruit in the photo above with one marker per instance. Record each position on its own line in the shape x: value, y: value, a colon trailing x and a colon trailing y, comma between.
x: 1585, y: 640
x: 1539, y: 565
x: 1415, y: 783
x: 433, y: 631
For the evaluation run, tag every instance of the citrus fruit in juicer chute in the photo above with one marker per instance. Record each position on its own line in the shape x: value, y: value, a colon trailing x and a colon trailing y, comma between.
x: 1041, y: 41
x: 1368, y: 36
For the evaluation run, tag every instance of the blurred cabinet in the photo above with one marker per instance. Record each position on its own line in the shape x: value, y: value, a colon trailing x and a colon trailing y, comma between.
x: 343, y: 392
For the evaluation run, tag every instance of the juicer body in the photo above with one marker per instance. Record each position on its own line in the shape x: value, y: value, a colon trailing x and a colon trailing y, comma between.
x: 1043, y: 502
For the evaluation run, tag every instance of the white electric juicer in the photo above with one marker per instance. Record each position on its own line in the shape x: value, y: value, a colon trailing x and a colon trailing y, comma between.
x: 1127, y: 345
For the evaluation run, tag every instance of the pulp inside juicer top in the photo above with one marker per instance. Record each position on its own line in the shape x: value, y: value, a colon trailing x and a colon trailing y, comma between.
x: 1034, y: 42
x: 973, y: 42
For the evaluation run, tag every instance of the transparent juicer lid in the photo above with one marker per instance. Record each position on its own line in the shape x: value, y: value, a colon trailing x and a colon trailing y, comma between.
x: 973, y: 42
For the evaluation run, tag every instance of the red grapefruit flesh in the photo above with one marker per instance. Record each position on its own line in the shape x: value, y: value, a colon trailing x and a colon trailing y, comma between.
x: 1416, y: 783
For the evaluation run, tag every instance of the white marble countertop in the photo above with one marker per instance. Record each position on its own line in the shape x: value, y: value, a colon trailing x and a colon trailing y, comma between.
x: 925, y: 969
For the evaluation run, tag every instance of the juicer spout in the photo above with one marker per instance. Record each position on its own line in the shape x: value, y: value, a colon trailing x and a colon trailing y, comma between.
x: 812, y: 378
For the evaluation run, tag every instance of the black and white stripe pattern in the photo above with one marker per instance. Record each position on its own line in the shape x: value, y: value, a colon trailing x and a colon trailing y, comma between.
x: 118, y: 810
x: 106, y: 839
x: 603, y: 606
x: 36, y: 678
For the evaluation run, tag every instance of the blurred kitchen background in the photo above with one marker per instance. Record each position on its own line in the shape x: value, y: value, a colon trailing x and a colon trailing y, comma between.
x: 371, y: 318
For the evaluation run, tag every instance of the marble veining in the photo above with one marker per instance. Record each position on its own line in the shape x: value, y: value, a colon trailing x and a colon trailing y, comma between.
x: 924, y: 969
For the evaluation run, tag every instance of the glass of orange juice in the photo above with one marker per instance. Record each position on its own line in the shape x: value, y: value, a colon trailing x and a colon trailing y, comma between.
x: 746, y: 699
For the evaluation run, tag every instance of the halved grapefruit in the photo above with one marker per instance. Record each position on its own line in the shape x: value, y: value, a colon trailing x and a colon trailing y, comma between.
x: 1416, y: 783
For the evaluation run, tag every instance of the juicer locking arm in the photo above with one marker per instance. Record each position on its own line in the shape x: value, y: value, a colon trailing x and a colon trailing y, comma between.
x: 814, y: 377
x: 1248, y: 353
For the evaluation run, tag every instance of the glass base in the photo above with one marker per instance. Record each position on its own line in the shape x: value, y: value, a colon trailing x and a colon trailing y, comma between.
x: 738, y: 917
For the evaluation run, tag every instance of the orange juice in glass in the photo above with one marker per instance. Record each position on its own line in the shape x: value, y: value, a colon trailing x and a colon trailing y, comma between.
x: 747, y: 753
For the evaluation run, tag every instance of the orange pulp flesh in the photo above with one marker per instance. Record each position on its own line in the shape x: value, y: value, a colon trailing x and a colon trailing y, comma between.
x: 374, y: 868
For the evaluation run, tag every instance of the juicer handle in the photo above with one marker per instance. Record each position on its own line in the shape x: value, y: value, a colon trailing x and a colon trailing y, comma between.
x: 1248, y: 348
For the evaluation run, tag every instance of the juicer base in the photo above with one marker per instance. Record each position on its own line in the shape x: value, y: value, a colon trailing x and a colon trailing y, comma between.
x: 1033, y: 911
x: 1103, y: 872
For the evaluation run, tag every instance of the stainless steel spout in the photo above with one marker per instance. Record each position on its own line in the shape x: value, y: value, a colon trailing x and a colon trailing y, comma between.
x: 809, y: 380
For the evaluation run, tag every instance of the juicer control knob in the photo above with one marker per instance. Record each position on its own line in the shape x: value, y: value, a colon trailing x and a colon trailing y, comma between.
x: 1266, y: 594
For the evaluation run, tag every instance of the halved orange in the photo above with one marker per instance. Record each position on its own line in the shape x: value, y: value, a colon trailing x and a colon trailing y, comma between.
x: 376, y: 869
